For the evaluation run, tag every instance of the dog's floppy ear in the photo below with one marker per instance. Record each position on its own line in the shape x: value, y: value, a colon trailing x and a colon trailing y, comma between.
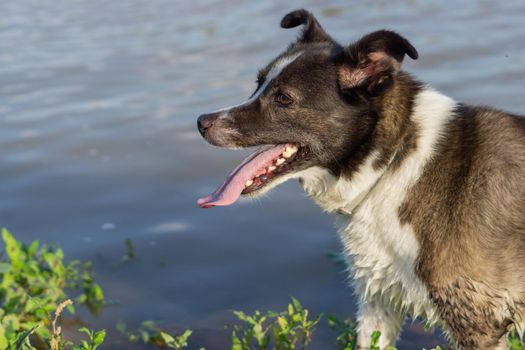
x: 312, y: 32
x: 372, y: 62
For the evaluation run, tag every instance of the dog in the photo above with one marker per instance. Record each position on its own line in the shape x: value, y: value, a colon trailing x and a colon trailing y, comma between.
x: 429, y: 193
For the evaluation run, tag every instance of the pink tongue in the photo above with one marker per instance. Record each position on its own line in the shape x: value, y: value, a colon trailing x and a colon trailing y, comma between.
x: 231, y: 189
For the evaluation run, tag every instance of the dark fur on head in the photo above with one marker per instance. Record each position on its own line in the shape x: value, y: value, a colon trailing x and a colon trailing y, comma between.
x: 335, y: 93
x: 312, y: 31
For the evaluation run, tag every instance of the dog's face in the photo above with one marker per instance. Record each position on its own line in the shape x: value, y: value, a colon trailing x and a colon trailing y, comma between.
x: 313, y: 106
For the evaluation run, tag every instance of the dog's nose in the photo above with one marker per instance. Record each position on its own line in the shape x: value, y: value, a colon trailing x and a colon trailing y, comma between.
x: 205, y: 122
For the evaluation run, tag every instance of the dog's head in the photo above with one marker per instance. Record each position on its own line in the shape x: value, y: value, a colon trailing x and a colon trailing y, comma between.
x: 313, y: 106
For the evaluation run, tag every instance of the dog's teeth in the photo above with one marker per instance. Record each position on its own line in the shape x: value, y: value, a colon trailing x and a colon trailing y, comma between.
x: 248, y: 183
x: 279, y: 161
x: 289, y: 151
x: 271, y: 168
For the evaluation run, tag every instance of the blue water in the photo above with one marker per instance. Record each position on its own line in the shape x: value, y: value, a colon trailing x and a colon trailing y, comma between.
x: 98, y: 102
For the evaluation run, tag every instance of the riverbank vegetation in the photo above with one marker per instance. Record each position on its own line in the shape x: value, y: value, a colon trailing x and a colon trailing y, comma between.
x: 39, y: 288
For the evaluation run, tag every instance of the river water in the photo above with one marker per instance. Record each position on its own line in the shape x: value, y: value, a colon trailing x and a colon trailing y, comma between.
x: 98, y: 103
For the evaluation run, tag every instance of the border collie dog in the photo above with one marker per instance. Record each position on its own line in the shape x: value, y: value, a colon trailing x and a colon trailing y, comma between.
x: 429, y: 193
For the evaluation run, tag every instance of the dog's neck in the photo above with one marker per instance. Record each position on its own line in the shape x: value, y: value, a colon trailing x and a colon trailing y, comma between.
x: 395, y: 131
x: 408, y: 113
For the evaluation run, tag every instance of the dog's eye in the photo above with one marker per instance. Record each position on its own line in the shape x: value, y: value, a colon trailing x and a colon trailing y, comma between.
x: 282, y: 99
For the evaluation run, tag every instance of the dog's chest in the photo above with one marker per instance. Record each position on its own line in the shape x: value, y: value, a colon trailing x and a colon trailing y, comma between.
x: 381, y: 252
x: 382, y: 256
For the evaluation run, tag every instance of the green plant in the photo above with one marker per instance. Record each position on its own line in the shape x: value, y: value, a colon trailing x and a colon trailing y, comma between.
x: 283, y: 331
x: 178, y: 342
x: 34, y: 280
x: 130, y: 251
x: 150, y: 333
x: 514, y: 341
x: 21, y: 341
x: 254, y: 334
x: 57, y: 343
x: 346, y: 333
x: 95, y: 339
x: 374, y: 340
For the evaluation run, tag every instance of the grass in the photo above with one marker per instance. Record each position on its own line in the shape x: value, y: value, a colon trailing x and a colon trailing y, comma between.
x: 150, y: 333
x: 35, y: 281
x: 37, y: 288
x: 291, y: 329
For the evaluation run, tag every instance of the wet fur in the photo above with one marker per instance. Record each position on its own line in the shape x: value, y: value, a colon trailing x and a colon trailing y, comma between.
x: 429, y: 193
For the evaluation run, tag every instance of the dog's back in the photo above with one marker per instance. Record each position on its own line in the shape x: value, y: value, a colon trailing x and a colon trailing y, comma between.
x: 467, y: 211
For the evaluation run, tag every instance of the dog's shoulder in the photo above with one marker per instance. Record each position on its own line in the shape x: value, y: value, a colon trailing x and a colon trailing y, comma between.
x: 470, y: 198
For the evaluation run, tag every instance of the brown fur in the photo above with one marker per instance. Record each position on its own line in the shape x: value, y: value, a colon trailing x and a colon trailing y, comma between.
x: 467, y: 212
x: 396, y: 133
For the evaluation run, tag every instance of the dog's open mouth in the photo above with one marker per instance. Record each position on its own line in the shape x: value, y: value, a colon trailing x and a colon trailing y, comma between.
x: 255, y: 172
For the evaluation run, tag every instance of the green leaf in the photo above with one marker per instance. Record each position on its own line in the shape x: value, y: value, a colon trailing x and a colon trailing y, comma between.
x: 32, y: 249
x: 23, y: 338
x: 13, y: 249
x: 236, y: 342
x: 3, y: 339
x: 4, y: 267
x: 259, y: 333
x: 168, y: 339
x: 85, y: 330
x: 374, y: 341
x: 121, y: 327
x: 273, y: 314
x: 11, y: 323
x: 290, y: 309
x: 148, y: 324
x: 99, y: 338
x: 297, y: 305
x: 282, y: 322
x: 145, y: 336
x: 187, y: 333
x: 241, y: 315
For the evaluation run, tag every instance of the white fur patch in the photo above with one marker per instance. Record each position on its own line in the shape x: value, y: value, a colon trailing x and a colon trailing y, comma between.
x: 331, y: 194
x: 274, y: 72
x: 381, y: 251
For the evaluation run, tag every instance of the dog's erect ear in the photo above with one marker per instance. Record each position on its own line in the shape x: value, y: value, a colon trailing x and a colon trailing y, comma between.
x: 312, y: 32
x: 373, y: 62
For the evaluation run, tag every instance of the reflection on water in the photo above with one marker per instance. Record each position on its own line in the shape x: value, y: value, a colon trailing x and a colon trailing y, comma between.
x: 98, y: 102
